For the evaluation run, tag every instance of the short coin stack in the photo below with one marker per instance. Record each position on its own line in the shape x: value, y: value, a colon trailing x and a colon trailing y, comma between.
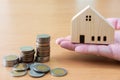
x: 43, y: 48
x: 27, y: 54
x: 10, y: 60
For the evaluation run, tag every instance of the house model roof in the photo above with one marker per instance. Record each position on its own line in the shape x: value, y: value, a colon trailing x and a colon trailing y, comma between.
x: 92, y: 9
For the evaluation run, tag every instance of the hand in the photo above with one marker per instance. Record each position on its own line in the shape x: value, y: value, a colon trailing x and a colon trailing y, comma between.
x: 110, y: 51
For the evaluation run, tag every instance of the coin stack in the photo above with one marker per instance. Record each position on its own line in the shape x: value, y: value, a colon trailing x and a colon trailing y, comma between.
x: 10, y: 60
x: 27, y: 54
x: 43, y: 48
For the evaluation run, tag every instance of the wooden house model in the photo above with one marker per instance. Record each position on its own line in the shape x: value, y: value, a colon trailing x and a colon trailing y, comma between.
x: 88, y: 26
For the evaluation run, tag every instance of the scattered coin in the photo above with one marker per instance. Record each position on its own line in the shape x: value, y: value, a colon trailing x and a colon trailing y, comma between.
x: 20, y: 67
x: 29, y: 64
x: 41, y: 68
x: 58, y: 72
x: 32, y: 73
x: 32, y: 65
x: 18, y: 74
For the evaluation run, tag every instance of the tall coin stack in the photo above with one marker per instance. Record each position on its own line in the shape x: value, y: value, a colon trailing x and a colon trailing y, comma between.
x: 43, y: 48
x: 27, y: 54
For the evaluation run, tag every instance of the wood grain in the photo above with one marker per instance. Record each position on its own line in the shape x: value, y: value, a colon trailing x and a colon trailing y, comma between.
x: 88, y: 24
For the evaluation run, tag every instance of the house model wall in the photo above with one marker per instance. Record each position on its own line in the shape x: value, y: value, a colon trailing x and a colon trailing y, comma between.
x: 88, y: 26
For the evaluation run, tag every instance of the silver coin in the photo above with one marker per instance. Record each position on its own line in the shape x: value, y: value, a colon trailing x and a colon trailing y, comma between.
x: 43, y: 38
x: 27, y: 49
x: 17, y: 74
x: 11, y: 58
x: 32, y: 73
x: 27, y: 54
x: 32, y: 65
x: 41, y: 68
x: 29, y: 64
x: 58, y: 72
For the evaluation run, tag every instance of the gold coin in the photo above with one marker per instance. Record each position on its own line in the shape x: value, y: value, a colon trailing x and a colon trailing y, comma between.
x: 20, y: 67
x: 41, y: 68
x: 10, y: 58
x: 58, y: 72
x: 18, y: 74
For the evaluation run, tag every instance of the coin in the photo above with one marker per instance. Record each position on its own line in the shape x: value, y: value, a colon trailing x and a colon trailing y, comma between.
x: 31, y: 66
x: 42, y: 59
x: 41, y: 68
x: 18, y: 74
x: 58, y: 72
x: 45, y: 48
x: 32, y: 73
x: 20, y: 67
x: 42, y: 44
x: 26, y: 49
x: 27, y: 61
x: 27, y: 53
x: 43, y: 51
x: 43, y: 38
x: 43, y: 54
x: 11, y: 58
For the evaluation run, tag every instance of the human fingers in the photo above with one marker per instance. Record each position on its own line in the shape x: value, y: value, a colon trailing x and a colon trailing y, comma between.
x: 67, y: 45
x: 115, y: 22
x: 101, y: 50
x: 115, y: 48
x: 110, y: 51
x: 59, y: 40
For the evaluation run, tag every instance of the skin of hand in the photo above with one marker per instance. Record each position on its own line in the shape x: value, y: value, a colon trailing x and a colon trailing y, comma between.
x: 110, y: 51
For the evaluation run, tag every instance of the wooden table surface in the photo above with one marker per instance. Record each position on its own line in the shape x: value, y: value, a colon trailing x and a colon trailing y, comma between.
x: 22, y: 20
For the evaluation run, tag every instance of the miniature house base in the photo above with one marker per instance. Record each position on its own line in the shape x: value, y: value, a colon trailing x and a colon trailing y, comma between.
x: 88, y: 26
